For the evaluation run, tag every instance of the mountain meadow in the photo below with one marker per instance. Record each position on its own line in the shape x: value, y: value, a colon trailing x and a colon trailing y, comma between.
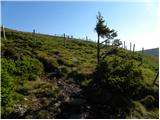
x: 46, y: 77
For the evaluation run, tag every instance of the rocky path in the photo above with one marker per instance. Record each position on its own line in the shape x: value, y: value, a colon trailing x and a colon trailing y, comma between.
x: 74, y: 104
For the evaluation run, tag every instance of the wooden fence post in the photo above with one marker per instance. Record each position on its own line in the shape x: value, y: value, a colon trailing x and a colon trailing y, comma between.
x: 130, y: 46
x: 86, y: 38
x: 3, y: 31
x: 133, y: 47
x: 34, y: 32
x: 142, y: 59
x: 64, y: 40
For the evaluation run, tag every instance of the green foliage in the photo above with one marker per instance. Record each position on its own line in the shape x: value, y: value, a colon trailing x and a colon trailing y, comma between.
x: 139, y: 110
x: 28, y: 67
x: 151, y: 61
x: 117, y: 42
x: 7, y: 88
x: 118, y: 77
x: 6, y: 111
x: 35, y: 44
x: 45, y: 90
x: 101, y: 29
x: 49, y: 63
x: 8, y: 65
x: 43, y: 114
x: 10, y: 53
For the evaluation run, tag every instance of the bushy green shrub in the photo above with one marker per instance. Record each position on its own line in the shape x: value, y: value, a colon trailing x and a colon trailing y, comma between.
x: 7, y: 88
x: 60, y: 61
x: 124, y: 53
x: 120, y: 75
x: 139, y: 110
x: 8, y: 65
x: 50, y: 64
x: 43, y: 114
x: 28, y: 67
x: 35, y: 44
x: 64, y: 70
x: 10, y: 53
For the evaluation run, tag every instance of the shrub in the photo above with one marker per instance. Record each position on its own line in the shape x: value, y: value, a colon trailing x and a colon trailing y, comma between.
x: 45, y: 90
x: 139, y: 110
x: 35, y: 44
x: 10, y: 53
x: 8, y: 65
x: 60, y: 61
x: 64, y: 70
x: 32, y: 77
x: 7, y: 88
x: 28, y: 68
x: 43, y: 114
x: 120, y: 75
x: 49, y: 63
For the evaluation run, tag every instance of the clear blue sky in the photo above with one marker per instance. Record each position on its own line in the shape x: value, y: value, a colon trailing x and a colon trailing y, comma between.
x: 136, y: 22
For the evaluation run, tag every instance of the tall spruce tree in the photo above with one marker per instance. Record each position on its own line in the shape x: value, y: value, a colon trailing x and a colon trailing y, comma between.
x: 102, y: 31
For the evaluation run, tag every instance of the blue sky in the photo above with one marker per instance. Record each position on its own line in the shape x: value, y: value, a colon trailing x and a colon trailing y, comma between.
x: 135, y: 22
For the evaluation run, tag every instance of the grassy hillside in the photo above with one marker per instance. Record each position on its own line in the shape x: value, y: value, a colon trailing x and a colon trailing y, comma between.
x: 154, y: 51
x: 43, y: 79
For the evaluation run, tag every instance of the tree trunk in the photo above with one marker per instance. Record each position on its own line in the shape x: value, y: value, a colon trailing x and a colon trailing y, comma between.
x: 156, y: 78
x: 98, y: 50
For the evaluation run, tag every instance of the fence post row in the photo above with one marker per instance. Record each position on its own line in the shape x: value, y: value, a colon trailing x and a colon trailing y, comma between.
x: 125, y: 47
x: 67, y: 36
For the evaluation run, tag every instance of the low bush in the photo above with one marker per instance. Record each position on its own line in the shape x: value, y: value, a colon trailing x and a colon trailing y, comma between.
x: 119, y: 77
x: 10, y: 53
x: 7, y: 88
x: 8, y: 65
x: 43, y: 114
x: 28, y: 68
x: 49, y: 63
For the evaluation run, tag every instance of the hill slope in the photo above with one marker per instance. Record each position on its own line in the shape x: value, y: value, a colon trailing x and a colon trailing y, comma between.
x: 154, y: 51
x: 41, y: 78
